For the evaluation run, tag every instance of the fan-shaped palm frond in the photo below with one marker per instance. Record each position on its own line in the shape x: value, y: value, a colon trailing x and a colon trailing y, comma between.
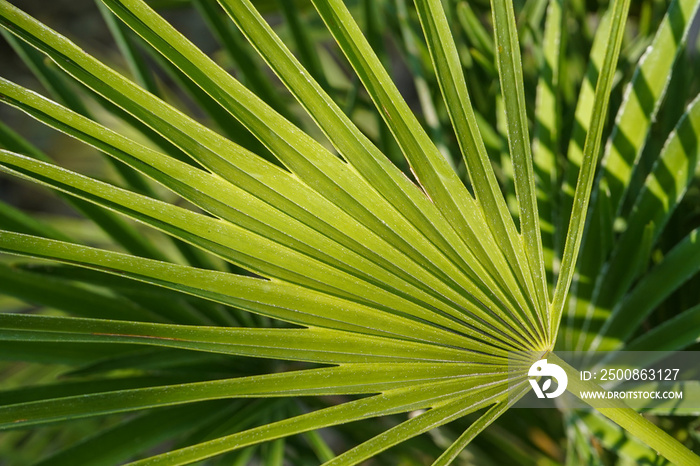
x: 307, y: 271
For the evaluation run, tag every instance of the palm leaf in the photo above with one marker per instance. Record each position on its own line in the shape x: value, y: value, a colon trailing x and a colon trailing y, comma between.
x: 318, y: 270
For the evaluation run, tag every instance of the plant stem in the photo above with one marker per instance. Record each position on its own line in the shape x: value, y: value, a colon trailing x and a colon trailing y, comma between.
x: 630, y: 420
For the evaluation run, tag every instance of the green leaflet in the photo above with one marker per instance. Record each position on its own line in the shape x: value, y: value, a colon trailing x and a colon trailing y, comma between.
x: 643, y: 97
x: 91, y: 64
x: 417, y: 425
x: 111, y: 224
x: 663, y: 189
x: 582, y: 119
x: 436, y: 177
x: 62, y: 89
x: 313, y: 344
x: 275, y: 299
x: 511, y: 78
x: 391, y: 402
x: 345, y: 135
x: 214, y: 235
x: 590, y: 153
x: 545, y: 146
x: 616, y: 439
x: 137, y: 65
x: 477, y: 427
x: 673, y: 335
x: 308, y: 55
x: 207, y: 147
x: 446, y: 61
x: 421, y: 71
x: 239, y: 207
x: 76, y: 388
x: 403, y: 390
x: 305, y: 157
x: 232, y: 41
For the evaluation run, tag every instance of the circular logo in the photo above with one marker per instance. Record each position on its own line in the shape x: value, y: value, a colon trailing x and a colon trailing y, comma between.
x: 546, y: 372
